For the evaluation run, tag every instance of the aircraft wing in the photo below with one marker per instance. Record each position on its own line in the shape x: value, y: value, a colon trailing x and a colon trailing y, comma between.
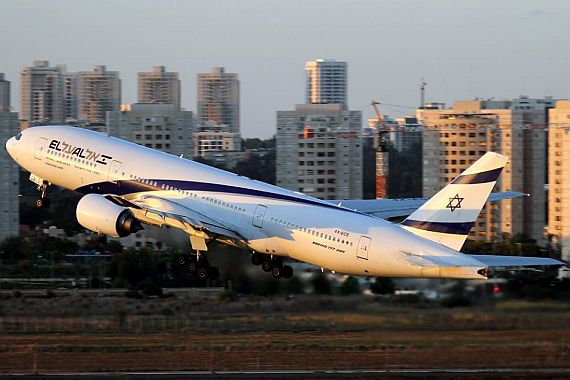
x: 390, y: 208
x: 514, y: 261
x: 158, y: 211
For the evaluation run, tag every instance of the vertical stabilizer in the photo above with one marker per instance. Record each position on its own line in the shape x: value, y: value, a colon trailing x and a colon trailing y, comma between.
x: 449, y: 215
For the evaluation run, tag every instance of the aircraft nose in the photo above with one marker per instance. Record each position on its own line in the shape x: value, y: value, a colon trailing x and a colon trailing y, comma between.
x: 12, y: 148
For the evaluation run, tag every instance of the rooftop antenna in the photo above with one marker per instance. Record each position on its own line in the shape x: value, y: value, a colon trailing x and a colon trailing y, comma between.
x: 422, y: 85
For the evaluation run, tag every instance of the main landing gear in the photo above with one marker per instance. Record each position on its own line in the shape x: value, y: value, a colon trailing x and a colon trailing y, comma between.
x: 43, y: 201
x: 199, y: 266
x: 272, y: 264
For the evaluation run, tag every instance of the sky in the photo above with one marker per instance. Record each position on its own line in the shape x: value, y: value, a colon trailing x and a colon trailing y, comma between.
x: 462, y: 49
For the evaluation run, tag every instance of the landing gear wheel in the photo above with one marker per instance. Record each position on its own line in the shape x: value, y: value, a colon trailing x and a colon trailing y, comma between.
x: 257, y: 259
x: 43, y: 203
x: 214, y: 273
x: 277, y: 272
x: 287, y: 272
x: 266, y: 264
x: 202, y: 273
x: 182, y: 260
x: 192, y: 265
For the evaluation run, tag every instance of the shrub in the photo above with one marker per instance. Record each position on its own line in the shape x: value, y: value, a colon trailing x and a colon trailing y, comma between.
x: 227, y: 295
x: 456, y: 300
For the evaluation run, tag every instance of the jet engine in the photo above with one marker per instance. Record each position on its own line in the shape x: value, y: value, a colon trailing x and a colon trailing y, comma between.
x: 98, y: 214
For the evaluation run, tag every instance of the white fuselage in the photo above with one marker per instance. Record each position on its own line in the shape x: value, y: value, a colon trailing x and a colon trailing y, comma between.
x: 270, y: 219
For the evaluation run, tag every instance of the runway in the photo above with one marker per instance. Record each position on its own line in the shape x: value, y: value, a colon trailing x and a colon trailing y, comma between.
x: 394, y: 374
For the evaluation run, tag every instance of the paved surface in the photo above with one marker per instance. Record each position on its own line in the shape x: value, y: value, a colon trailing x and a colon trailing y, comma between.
x: 508, y: 373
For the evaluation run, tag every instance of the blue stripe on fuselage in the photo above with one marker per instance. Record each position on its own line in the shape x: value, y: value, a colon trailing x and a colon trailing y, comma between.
x: 123, y: 187
x: 455, y: 228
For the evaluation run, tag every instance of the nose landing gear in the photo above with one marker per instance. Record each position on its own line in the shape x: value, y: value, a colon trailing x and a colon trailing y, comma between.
x: 43, y: 201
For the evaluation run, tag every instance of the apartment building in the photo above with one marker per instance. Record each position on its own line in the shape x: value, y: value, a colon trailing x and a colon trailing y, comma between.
x: 99, y: 91
x: 4, y: 93
x: 158, y: 126
x: 319, y: 151
x: 159, y: 87
x: 212, y: 139
x: 70, y: 94
x: 326, y: 81
x: 559, y: 177
x: 219, y: 99
x: 9, y: 170
x: 455, y: 138
x: 41, y: 94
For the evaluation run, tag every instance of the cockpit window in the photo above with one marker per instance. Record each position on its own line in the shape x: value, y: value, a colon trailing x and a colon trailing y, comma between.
x: 18, y: 136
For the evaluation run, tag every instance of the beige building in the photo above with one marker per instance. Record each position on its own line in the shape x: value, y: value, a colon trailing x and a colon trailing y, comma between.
x: 219, y: 98
x: 41, y: 94
x: 319, y: 151
x: 559, y: 176
x: 99, y: 91
x: 159, y: 86
x: 158, y: 126
x: 326, y: 81
x: 212, y: 141
x: 455, y: 138
x: 9, y: 173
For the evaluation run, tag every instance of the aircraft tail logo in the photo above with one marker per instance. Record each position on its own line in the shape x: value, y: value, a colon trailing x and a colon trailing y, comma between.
x: 449, y: 215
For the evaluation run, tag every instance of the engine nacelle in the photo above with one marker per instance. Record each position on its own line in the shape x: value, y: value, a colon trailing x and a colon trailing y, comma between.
x: 100, y: 215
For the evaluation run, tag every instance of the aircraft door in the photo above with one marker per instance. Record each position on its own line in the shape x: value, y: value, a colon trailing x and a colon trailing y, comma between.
x: 40, y: 147
x: 114, y: 171
x: 259, y: 215
x: 363, y: 247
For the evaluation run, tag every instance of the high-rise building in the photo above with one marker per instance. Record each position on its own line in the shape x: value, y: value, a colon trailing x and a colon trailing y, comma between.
x: 4, y: 93
x: 455, y: 138
x: 319, y: 151
x: 99, y: 91
x: 559, y: 176
x: 326, y: 81
x: 159, y: 86
x: 70, y: 95
x: 9, y: 170
x: 158, y: 126
x: 218, y: 99
x: 41, y: 94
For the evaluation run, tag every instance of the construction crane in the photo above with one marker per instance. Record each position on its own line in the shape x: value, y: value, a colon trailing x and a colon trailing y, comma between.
x: 382, y: 157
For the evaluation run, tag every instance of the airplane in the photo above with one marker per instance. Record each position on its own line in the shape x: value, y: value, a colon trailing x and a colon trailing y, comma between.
x: 127, y: 186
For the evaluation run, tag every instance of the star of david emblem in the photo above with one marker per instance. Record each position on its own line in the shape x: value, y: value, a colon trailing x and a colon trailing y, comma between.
x: 454, y: 202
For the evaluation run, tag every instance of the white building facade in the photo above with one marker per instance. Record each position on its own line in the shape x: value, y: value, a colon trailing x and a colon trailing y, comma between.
x: 158, y: 126
x: 326, y: 82
x: 319, y: 151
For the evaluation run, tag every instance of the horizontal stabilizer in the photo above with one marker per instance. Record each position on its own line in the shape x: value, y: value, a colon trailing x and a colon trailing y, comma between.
x: 394, y: 207
x: 514, y: 261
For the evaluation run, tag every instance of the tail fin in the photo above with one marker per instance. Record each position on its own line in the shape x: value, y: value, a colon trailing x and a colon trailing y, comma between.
x: 449, y: 215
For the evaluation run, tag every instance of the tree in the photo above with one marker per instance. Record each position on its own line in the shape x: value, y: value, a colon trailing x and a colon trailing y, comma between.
x: 321, y: 284
x: 350, y: 286
x: 382, y: 285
